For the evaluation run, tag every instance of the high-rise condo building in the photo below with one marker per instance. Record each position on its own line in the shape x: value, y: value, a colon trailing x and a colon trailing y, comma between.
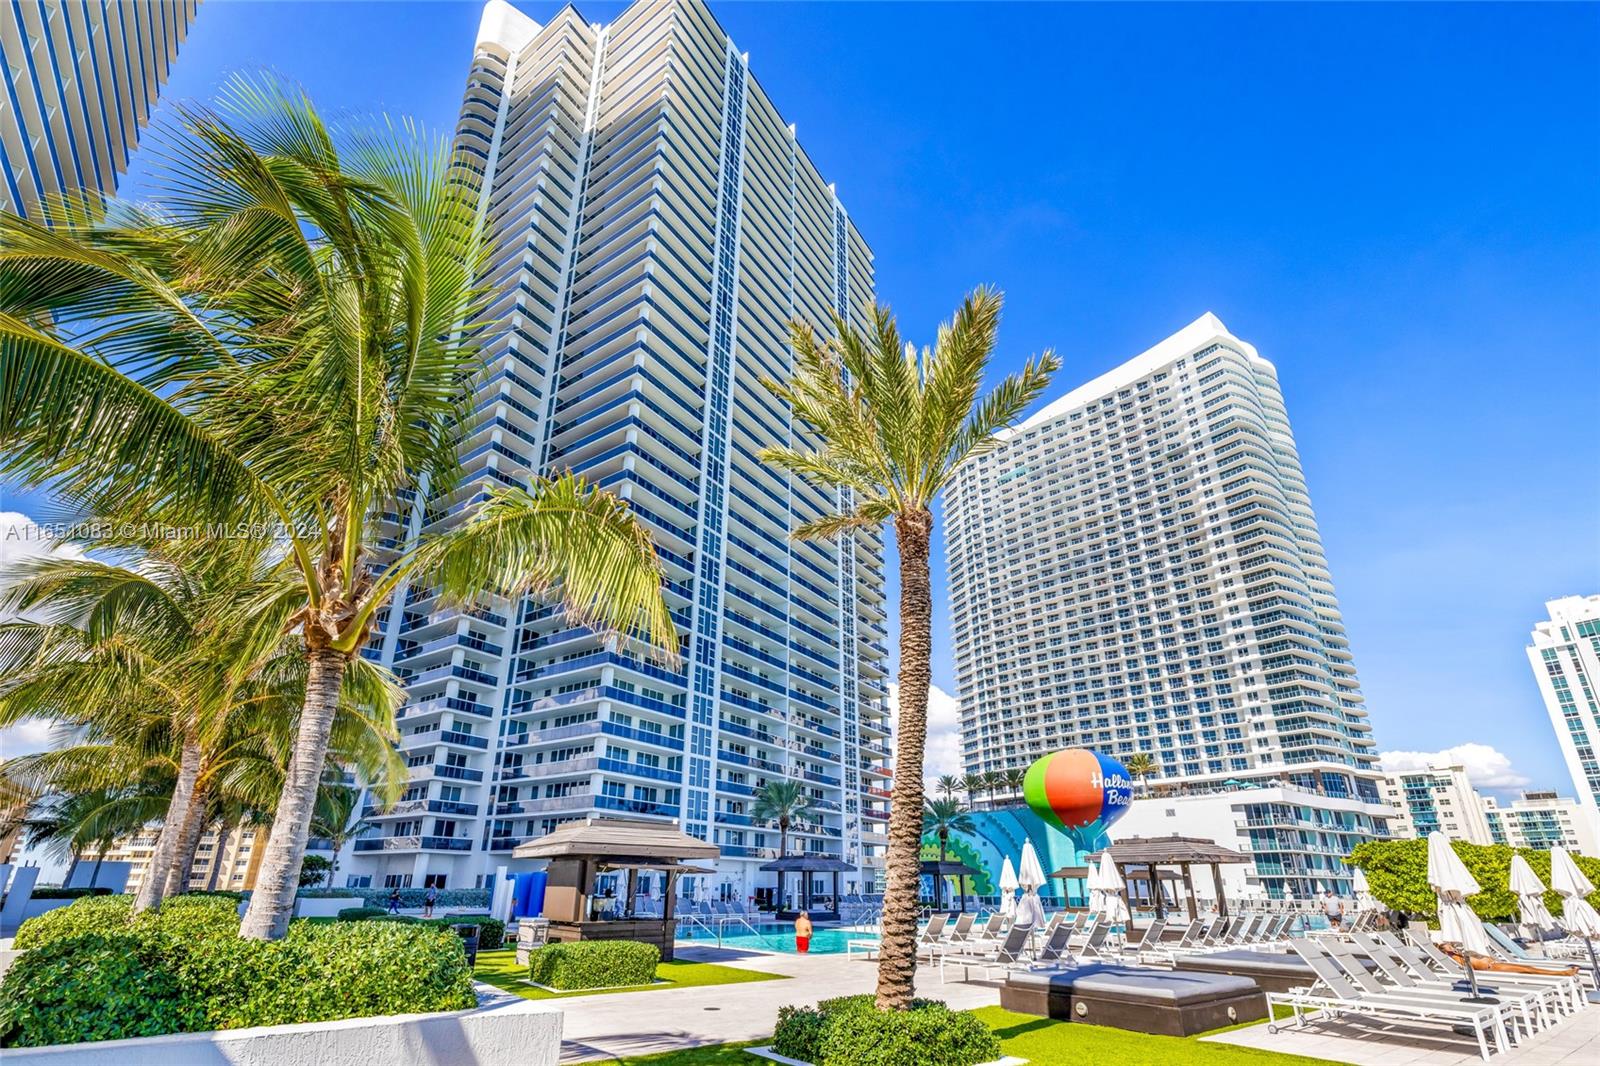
x: 1137, y: 569
x: 1565, y: 655
x: 1438, y: 798
x: 1542, y: 819
x: 81, y: 77
x: 654, y: 225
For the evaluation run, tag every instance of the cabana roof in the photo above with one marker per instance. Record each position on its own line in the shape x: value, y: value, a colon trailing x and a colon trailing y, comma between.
x: 618, y: 842
x: 808, y: 864
x: 1172, y: 851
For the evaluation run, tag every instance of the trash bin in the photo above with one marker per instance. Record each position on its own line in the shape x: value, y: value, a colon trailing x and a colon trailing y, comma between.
x: 468, y: 932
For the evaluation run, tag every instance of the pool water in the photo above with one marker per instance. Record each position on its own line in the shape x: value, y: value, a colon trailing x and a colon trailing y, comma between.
x: 778, y: 938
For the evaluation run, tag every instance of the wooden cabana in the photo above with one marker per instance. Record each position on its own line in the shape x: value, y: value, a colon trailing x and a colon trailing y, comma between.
x: 805, y: 866
x: 1141, y: 859
x: 579, y: 851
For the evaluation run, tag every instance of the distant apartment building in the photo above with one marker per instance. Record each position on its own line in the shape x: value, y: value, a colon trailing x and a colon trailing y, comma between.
x: 654, y: 226
x: 81, y: 77
x: 224, y: 861
x: 1437, y: 799
x: 1565, y: 656
x: 1541, y: 820
x: 1137, y: 568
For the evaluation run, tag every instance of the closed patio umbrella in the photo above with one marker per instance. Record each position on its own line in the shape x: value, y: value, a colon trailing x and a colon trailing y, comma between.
x: 1577, y: 914
x: 1107, y: 884
x: 1030, y: 909
x: 1529, y: 890
x: 1008, y: 888
x: 1458, y: 924
x: 1363, y: 891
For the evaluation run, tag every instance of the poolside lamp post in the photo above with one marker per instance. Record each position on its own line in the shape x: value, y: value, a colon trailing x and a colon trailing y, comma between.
x: 1458, y: 924
x: 1576, y: 912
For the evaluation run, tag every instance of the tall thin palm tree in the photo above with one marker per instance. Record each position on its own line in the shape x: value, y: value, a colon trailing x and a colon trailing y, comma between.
x: 942, y: 817
x: 893, y: 428
x: 290, y: 344
x: 974, y: 785
x: 1013, y: 778
x: 1142, y: 765
x: 340, y: 820
x: 783, y: 803
x: 948, y: 785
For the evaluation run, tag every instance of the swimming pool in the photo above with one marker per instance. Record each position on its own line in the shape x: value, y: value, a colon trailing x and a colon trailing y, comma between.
x: 777, y: 937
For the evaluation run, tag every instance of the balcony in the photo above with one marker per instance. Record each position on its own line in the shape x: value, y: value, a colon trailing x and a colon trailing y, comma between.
x: 414, y: 843
x: 419, y: 806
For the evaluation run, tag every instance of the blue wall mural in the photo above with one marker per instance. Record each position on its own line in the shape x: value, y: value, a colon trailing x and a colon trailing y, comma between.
x: 1000, y: 833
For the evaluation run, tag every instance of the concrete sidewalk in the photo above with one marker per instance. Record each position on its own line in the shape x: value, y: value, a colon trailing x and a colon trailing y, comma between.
x: 598, y: 1028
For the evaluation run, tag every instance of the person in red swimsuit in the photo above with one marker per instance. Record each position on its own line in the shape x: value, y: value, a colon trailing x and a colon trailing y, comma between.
x: 802, y: 933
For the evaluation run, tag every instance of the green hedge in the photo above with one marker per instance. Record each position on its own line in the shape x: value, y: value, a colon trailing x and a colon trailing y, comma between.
x: 70, y: 893
x: 328, y: 893
x: 415, y: 897
x: 593, y: 964
x: 92, y: 914
x: 491, y: 931
x: 1397, y: 874
x: 184, y: 968
x: 851, y: 1031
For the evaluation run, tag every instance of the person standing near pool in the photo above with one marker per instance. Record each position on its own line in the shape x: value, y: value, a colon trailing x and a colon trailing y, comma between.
x: 1333, y: 907
x: 802, y: 933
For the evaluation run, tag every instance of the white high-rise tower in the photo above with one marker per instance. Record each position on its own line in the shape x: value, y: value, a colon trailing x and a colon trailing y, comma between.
x: 1136, y: 569
x: 1565, y: 655
x: 654, y: 226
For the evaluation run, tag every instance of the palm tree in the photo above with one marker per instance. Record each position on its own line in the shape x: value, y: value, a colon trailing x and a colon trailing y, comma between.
x: 340, y: 820
x: 948, y: 785
x: 1013, y: 778
x: 943, y: 817
x: 993, y: 782
x: 291, y: 344
x: 174, y: 671
x: 893, y: 428
x: 1142, y: 765
x: 783, y: 802
x: 974, y: 785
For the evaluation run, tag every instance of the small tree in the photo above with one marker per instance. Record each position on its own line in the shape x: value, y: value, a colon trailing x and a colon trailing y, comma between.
x: 948, y: 785
x: 1014, y: 777
x: 1142, y: 765
x: 974, y: 785
x: 313, y: 868
x: 783, y: 803
x: 942, y: 817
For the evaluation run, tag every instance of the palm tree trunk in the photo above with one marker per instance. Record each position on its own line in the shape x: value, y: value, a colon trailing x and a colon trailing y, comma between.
x: 223, y: 832
x: 181, y: 869
x: 897, y: 959
x: 154, y: 886
x: 272, y: 901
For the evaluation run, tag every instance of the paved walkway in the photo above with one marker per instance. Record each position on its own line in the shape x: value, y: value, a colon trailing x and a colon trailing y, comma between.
x: 603, y: 1027
x: 1369, y: 1042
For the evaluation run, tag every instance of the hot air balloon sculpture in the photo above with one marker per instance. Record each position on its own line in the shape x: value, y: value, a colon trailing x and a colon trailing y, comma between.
x: 1079, y: 791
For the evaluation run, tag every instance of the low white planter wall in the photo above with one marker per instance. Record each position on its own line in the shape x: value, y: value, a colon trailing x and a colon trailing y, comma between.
x: 503, y: 1030
x: 324, y: 907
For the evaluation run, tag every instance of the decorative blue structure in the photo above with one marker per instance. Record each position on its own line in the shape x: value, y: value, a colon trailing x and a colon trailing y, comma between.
x: 999, y: 833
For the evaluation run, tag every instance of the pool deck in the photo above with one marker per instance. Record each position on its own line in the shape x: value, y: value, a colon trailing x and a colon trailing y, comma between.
x: 598, y: 1028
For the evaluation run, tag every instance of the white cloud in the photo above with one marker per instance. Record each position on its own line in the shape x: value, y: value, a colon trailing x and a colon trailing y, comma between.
x: 23, y: 539
x: 943, y: 752
x: 1486, y: 766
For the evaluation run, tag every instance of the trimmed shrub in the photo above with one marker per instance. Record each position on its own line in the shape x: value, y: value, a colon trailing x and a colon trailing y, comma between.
x: 91, y: 914
x: 184, y: 969
x: 70, y: 893
x: 220, y: 893
x: 1397, y: 873
x: 851, y: 1031
x: 593, y: 964
x: 491, y: 931
x: 361, y: 914
x: 328, y: 893
x: 94, y: 987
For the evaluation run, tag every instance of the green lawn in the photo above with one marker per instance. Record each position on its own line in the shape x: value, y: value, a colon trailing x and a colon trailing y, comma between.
x: 1044, y: 1043
x: 499, y: 968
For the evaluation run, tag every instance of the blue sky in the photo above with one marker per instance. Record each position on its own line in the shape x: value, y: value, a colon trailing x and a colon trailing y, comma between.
x: 1399, y: 205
